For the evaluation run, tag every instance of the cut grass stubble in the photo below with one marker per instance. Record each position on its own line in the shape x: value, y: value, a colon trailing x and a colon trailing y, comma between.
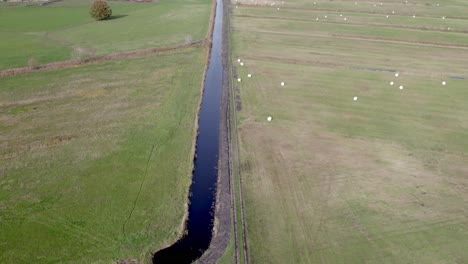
x: 333, y: 180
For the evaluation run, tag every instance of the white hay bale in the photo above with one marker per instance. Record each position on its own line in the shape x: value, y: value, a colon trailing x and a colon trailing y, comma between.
x: 238, y: 60
x: 444, y: 83
x: 401, y: 87
x: 355, y: 98
x: 241, y: 64
x: 345, y: 18
x: 269, y: 118
x: 391, y: 83
x: 397, y: 74
x: 249, y: 75
x: 387, y: 16
x: 282, y: 83
x: 239, y: 79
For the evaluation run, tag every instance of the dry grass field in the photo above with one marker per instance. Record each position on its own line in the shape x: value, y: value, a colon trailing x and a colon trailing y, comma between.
x: 379, y: 179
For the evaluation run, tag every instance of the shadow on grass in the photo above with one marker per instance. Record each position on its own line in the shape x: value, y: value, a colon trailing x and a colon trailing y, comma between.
x: 116, y: 17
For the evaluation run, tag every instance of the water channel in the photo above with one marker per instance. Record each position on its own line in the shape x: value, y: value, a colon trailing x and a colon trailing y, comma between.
x: 202, y: 197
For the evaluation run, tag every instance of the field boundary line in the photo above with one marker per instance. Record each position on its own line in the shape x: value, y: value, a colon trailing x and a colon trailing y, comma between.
x: 424, y: 29
x: 396, y: 41
x: 110, y: 57
x: 233, y: 136
x: 237, y: 156
x: 347, y: 11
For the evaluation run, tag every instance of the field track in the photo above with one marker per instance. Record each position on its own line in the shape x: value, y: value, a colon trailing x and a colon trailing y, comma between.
x: 241, y: 254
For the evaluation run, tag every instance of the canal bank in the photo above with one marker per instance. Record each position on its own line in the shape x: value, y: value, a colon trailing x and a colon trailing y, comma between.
x: 208, y: 220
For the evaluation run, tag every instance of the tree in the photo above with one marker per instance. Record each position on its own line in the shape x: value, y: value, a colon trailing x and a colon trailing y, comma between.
x: 100, y: 10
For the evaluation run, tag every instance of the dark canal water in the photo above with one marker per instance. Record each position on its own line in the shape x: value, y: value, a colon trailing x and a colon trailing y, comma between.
x: 203, y: 189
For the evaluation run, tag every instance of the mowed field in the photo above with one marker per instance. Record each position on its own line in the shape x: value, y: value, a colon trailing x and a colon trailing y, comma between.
x: 379, y: 179
x: 64, y: 30
x: 96, y: 160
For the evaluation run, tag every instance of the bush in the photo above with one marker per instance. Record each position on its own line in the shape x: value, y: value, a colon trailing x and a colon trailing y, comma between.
x: 33, y: 64
x: 100, y: 10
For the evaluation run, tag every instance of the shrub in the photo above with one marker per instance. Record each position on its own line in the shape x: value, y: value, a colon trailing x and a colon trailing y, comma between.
x: 100, y: 10
x: 33, y: 64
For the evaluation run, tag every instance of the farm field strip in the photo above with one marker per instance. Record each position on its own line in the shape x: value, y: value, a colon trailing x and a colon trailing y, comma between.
x: 424, y: 8
x: 357, y: 164
x: 313, y: 28
x: 96, y: 160
x: 371, y: 17
x: 447, y: 27
x: 66, y: 31
x: 266, y: 46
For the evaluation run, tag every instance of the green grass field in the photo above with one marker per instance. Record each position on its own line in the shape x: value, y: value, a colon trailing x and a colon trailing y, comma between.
x: 96, y: 160
x: 333, y: 180
x: 66, y: 31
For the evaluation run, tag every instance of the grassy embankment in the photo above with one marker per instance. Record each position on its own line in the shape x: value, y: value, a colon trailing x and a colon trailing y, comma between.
x: 333, y: 180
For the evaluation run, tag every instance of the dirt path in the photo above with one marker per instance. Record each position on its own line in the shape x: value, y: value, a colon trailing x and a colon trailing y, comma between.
x: 239, y: 179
